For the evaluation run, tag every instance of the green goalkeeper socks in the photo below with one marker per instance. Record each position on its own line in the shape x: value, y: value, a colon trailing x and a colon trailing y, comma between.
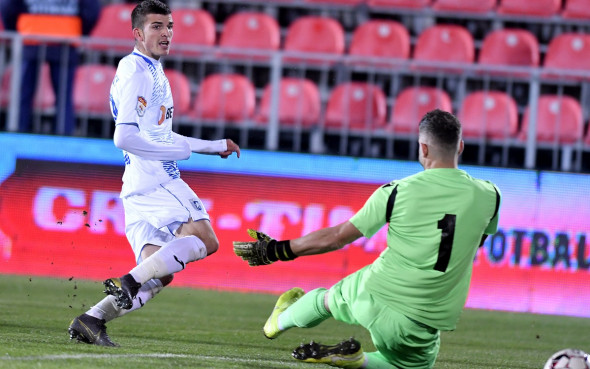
x: 307, y: 312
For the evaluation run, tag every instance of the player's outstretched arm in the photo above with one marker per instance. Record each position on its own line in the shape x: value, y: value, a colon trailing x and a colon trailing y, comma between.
x: 231, y: 148
x: 223, y: 148
x: 265, y: 250
x: 127, y: 137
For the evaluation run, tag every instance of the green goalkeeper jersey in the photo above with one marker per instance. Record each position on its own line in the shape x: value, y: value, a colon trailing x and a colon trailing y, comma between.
x: 436, y: 222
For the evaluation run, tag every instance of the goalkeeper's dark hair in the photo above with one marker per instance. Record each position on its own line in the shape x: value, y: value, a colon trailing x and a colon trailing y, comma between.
x: 443, y: 128
x: 145, y: 7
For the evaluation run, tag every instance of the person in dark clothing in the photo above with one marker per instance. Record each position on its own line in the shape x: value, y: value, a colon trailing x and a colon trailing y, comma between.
x: 57, y: 18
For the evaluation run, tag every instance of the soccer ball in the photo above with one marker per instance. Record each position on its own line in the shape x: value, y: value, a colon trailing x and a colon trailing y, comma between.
x: 568, y: 359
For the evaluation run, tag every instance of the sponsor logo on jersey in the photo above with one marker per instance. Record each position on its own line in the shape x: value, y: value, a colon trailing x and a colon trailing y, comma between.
x: 141, y: 105
x: 166, y: 114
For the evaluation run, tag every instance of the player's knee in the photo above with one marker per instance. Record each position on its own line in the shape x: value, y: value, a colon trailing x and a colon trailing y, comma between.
x: 212, y: 245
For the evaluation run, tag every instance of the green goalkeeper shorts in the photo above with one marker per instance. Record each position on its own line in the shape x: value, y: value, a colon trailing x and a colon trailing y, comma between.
x: 402, y: 341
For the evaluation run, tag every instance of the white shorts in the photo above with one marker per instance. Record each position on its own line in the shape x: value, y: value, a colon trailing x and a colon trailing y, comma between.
x: 152, y: 218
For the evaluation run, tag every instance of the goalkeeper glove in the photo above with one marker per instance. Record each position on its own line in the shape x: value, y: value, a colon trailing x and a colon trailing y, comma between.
x: 264, y: 250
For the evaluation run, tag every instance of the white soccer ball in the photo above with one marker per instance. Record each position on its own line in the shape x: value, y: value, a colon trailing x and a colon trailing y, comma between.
x: 568, y: 359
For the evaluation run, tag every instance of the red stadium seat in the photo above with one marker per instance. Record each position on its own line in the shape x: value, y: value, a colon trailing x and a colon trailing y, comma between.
x: 181, y: 91
x: 559, y: 118
x: 114, y: 23
x: 380, y: 38
x: 577, y: 9
x: 44, y: 95
x: 357, y: 106
x: 311, y: 34
x: 568, y: 52
x: 92, y: 86
x: 250, y: 30
x: 445, y: 43
x: 540, y: 8
x: 229, y: 97
x: 299, y: 103
x: 469, y: 6
x: 510, y: 47
x: 412, y: 103
x: 338, y: 2
x: 416, y: 4
x: 192, y: 27
x: 492, y: 114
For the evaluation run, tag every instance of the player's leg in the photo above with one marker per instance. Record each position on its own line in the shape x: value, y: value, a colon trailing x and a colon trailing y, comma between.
x: 108, y: 309
x: 295, y: 308
x: 340, y: 302
x: 170, y: 259
x: 194, y: 241
x: 201, y: 229
x: 346, y: 354
x: 173, y: 207
x: 176, y: 207
x: 305, y: 311
x: 145, y: 240
x: 402, y: 342
x: 173, y: 257
x: 90, y: 327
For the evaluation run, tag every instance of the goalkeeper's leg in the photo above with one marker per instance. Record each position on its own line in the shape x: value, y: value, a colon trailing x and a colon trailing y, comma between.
x: 346, y: 354
x: 306, y: 311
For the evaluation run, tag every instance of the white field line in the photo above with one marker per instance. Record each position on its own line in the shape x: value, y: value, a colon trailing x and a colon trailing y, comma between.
x: 157, y: 356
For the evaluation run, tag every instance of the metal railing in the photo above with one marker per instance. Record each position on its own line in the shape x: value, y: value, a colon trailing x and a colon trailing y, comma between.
x: 327, y: 71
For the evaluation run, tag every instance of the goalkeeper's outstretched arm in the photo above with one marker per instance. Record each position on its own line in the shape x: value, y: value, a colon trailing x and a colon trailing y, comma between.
x: 325, y: 240
x: 266, y: 250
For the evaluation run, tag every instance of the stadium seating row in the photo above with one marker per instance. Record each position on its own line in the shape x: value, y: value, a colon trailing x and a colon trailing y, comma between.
x: 375, y: 38
x: 578, y: 9
x: 354, y: 106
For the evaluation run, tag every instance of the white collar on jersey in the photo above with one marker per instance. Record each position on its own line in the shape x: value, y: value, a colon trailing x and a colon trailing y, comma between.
x: 152, y: 60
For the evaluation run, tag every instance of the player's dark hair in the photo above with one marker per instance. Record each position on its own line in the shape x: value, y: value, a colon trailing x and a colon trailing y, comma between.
x: 443, y: 127
x: 145, y: 7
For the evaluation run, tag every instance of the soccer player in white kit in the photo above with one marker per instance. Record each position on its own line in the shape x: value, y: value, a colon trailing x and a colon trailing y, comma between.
x: 165, y: 222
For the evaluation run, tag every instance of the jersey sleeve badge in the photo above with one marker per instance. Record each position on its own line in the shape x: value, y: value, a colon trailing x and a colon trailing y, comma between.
x: 141, y: 106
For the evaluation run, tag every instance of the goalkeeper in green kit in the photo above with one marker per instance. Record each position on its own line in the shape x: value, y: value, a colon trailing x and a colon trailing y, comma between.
x: 418, y: 285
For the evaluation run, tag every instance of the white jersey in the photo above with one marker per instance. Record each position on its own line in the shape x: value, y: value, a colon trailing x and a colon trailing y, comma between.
x: 140, y: 95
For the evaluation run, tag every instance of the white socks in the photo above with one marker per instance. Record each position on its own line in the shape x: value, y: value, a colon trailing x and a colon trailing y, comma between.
x: 108, y: 310
x: 167, y: 260
x: 170, y: 259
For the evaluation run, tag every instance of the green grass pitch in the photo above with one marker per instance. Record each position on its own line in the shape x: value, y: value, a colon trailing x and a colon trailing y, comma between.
x: 189, y: 328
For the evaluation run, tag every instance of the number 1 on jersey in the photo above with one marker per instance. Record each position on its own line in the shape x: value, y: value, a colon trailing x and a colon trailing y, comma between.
x: 447, y: 225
